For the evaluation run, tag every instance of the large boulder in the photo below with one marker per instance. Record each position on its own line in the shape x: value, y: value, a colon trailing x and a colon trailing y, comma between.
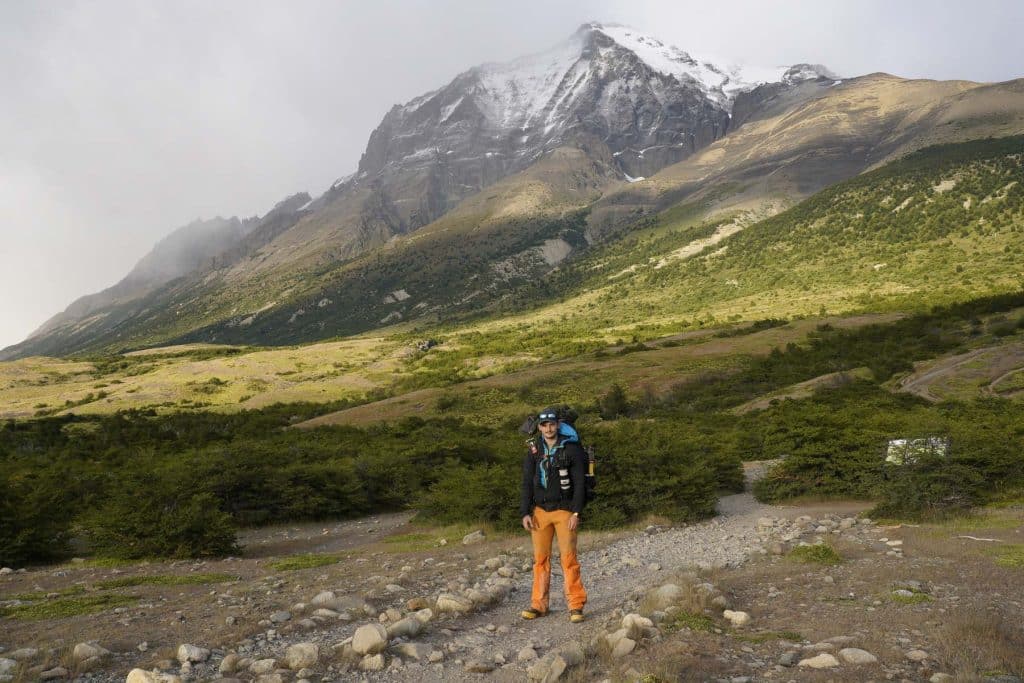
x: 370, y: 639
x: 302, y: 656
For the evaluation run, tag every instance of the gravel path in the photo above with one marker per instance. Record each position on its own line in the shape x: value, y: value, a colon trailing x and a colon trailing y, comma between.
x: 611, y: 575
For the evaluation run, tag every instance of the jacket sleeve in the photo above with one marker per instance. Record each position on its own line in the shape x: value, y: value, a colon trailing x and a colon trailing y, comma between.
x: 526, y: 490
x: 578, y: 475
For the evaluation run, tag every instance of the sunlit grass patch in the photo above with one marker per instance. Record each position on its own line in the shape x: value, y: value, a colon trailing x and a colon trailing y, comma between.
x: 916, y: 597
x: 166, y: 580
x: 294, y: 562
x: 691, y: 620
x: 66, y: 607
x: 820, y: 553
x: 766, y: 636
x: 431, y: 538
x: 1009, y: 555
x: 41, y: 595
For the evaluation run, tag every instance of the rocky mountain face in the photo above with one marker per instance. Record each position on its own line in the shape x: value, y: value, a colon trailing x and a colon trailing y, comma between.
x: 651, y: 104
x: 611, y: 125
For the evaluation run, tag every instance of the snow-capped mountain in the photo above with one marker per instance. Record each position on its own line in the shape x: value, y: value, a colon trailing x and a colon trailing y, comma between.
x: 651, y: 104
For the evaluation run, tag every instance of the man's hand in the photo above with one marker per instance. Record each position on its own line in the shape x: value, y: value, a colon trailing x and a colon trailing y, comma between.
x: 528, y: 522
x: 574, y: 522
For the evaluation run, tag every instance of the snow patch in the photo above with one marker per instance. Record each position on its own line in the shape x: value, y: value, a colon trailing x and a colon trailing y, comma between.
x: 632, y: 179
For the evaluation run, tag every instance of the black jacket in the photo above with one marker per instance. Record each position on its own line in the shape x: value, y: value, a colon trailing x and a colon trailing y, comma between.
x: 532, y: 494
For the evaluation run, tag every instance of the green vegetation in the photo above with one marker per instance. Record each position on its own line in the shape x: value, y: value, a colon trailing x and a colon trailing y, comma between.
x: 166, y: 580
x: 1009, y: 555
x: 819, y: 553
x: 308, y: 561
x: 66, y: 607
x: 695, y: 622
x: 915, y: 598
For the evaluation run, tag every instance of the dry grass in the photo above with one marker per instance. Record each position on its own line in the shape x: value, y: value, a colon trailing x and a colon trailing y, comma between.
x: 981, y: 643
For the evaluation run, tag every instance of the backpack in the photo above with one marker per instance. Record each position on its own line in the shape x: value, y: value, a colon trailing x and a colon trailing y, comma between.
x: 566, y: 427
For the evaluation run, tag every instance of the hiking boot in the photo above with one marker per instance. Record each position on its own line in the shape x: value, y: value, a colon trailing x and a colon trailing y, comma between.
x: 575, y: 615
x: 531, y: 613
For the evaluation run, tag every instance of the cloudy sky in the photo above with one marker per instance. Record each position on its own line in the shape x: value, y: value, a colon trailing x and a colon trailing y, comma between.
x: 122, y: 120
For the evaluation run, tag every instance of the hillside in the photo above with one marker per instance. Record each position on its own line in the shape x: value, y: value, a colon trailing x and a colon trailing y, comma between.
x: 375, y: 250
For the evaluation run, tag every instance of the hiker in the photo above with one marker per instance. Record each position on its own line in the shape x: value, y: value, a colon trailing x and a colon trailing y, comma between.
x: 551, y: 500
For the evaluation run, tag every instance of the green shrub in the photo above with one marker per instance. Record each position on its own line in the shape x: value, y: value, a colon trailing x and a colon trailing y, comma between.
x: 613, y: 403
x: 35, y: 518
x: 819, y: 553
x: 144, y: 519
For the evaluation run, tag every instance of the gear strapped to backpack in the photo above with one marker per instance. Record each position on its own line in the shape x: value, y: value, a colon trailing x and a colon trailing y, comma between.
x: 566, y: 427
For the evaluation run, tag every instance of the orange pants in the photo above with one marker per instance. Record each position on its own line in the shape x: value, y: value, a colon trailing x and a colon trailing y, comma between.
x: 546, y: 525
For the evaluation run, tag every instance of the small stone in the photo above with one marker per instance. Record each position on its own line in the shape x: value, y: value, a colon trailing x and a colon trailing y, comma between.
x: 916, y: 655
x: 84, y: 651
x: 527, y: 654
x: 941, y: 678
x: 231, y: 620
x: 192, y: 653
x: 8, y: 667
x: 821, y: 661
x: 325, y: 598
x: 854, y: 655
x: 6, y: 570
x: 280, y: 617
x: 409, y: 627
x: 665, y: 595
x: 736, y: 618
x: 435, y: 656
x: 789, y: 658
x: 478, y: 666
x: 53, y: 674
x: 477, y: 536
x: 448, y: 602
x: 416, y: 604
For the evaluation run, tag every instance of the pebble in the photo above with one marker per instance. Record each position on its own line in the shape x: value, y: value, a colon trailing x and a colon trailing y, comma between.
x: 854, y: 655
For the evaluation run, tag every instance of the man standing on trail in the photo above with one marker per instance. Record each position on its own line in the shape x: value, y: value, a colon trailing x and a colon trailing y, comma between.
x: 551, y: 501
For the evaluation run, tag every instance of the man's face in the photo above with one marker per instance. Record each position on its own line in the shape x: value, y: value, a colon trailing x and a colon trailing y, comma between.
x: 548, y: 430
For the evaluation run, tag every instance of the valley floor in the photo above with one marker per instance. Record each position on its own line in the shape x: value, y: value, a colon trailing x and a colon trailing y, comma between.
x: 957, y: 611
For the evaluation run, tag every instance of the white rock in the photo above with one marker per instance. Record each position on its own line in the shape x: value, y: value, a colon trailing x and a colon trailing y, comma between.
x: 822, y: 661
x: 370, y: 639
x: 736, y: 618
x: 84, y: 651
x: 8, y: 666
x: 941, y: 678
x: 447, y: 602
x: 854, y: 655
x: 325, y: 613
x: 302, y: 656
x: 435, y: 656
x: 192, y: 653
x: 917, y: 655
x: 425, y: 615
x: 6, y: 570
x: 409, y: 627
x: 143, y: 676
x: 477, y: 536
x: 372, y: 663
x: 324, y: 598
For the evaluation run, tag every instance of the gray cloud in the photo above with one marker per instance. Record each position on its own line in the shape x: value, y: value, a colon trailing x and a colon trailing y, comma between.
x: 123, y: 120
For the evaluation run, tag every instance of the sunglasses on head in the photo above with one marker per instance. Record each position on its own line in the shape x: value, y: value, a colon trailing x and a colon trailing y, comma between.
x: 547, y: 417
